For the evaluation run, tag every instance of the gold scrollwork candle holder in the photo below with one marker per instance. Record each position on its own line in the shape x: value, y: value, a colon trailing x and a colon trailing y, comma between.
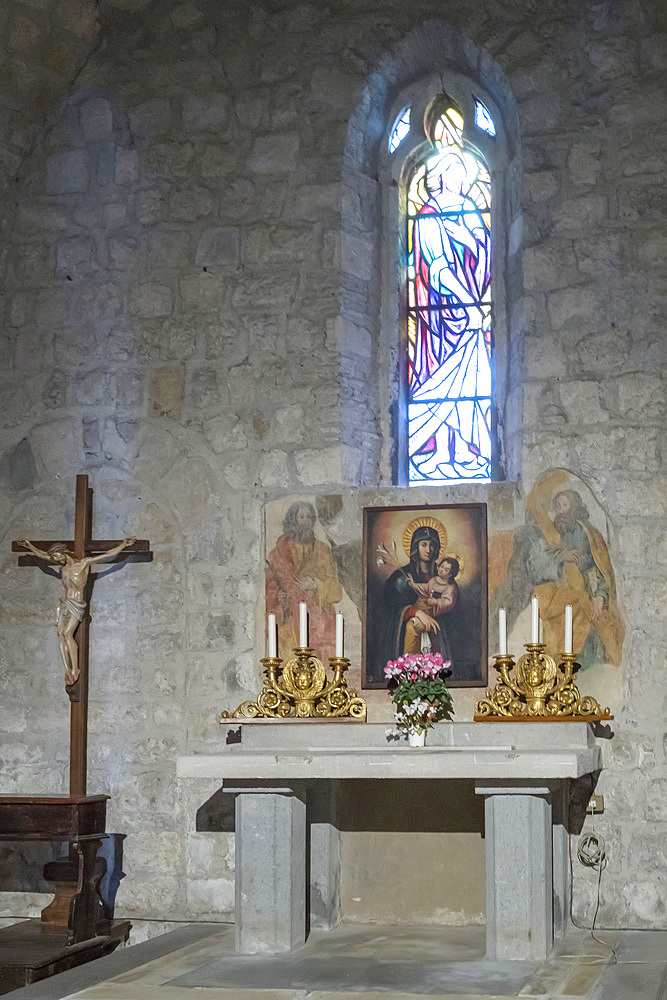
x: 539, y: 689
x: 300, y: 690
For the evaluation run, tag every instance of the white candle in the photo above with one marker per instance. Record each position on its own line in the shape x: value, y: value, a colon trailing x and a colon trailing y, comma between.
x: 568, y: 629
x: 303, y: 624
x: 273, y: 649
x: 339, y: 634
x: 502, y: 632
x: 535, y: 620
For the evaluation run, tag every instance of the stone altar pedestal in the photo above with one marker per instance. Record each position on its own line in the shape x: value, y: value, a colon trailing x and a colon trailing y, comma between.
x: 270, y: 892
x: 284, y: 776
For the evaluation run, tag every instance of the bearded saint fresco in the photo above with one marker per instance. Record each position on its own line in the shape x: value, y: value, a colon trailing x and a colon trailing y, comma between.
x: 299, y: 568
x: 562, y: 558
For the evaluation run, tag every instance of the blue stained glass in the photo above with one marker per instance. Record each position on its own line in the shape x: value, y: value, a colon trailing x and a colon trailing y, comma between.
x: 400, y: 129
x: 483, y: 118
x: 449, y: 315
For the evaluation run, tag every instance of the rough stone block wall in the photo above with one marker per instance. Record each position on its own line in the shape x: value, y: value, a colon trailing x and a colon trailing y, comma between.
x: 185, y: 271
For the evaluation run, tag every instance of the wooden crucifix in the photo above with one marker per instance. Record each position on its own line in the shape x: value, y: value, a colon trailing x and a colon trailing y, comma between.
x: 75, y: 559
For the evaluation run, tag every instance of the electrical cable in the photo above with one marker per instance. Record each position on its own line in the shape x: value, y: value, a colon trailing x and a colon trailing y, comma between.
x: 588, y: 849
x: 592, y: 854
x: 591, y: 851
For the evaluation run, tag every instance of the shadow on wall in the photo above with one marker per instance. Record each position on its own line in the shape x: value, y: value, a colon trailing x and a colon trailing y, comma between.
x: 389, y: 805
x: 216, y: 815
x: 406, y: 806
x: 22, y: 864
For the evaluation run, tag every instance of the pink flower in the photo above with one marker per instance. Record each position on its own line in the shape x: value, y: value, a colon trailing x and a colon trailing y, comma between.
x: 413, y: 666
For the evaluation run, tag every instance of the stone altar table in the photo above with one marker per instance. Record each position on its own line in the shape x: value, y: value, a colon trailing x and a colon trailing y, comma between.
x: 284, y: 777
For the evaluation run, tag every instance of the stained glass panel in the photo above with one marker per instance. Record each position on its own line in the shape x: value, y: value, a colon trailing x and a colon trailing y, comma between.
x: 483, y: 117
x: 400, y: 129
x: 449, y: 312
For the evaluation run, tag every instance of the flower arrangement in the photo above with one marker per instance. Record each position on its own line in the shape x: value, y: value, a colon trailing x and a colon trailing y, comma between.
x: 419, y: 692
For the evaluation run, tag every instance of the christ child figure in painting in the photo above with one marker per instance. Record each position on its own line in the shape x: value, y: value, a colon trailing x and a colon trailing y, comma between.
x: 441, y: 591
x: 74, y: 574
x: 301, y: 568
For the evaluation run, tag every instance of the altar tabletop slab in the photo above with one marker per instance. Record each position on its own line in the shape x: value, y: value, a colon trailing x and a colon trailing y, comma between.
x: 517, y: 751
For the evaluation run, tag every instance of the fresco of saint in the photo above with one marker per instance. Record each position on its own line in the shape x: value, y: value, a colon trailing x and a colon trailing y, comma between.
x: 299, y: 568
x: 561, y: 557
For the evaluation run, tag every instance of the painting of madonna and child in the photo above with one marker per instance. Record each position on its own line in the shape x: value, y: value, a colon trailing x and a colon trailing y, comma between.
x: 426, y: 589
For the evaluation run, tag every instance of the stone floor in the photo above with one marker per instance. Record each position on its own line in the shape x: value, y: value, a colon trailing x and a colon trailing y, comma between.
x: 364, y: 962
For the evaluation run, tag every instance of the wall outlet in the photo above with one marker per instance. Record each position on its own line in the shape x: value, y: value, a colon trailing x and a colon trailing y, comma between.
x: 596, y: 804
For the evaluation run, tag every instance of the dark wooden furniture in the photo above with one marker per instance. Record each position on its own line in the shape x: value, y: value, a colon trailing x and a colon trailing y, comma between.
x: 75, y: 927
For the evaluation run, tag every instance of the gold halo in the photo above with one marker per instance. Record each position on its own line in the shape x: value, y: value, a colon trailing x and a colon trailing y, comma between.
x: 454, y: 555
x: 424, y: 522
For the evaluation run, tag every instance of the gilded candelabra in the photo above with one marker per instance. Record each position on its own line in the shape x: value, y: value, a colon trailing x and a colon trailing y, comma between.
x: 539, y: 689
x: 300, y: 690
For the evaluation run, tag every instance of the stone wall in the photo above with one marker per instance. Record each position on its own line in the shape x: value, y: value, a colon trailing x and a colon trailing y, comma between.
x: 185, y: 270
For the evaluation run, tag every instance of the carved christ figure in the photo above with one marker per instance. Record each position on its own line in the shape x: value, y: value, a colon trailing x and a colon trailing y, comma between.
x: 74, y: 574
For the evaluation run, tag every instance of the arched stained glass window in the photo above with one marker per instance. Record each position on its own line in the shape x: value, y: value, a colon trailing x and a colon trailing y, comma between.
x: 448, y: 315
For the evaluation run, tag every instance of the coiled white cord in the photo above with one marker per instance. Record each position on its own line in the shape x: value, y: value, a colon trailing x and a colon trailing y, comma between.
x: 591, y: 853
x: 591, y: 850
